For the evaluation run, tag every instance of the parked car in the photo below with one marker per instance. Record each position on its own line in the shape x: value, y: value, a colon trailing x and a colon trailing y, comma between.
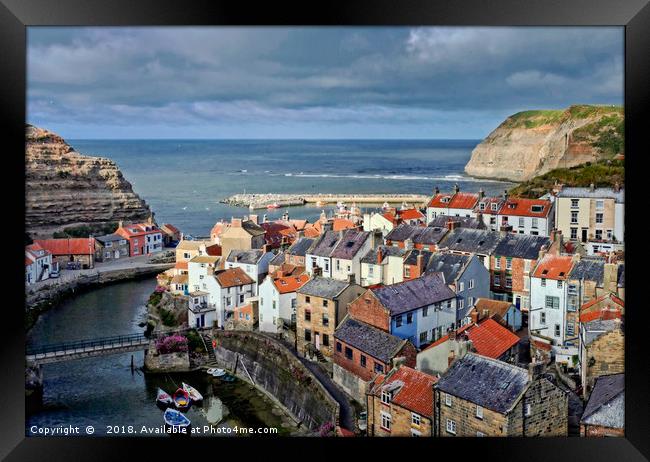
x: 54, y: 273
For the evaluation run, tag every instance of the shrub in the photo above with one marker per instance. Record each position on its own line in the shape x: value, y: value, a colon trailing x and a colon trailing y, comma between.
x: 172, y: 344
x: 167, y: 318
x: 326, y: 429
x: 194, y: 342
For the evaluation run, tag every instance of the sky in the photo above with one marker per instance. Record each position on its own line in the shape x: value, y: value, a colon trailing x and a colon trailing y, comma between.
x: 311, y: 82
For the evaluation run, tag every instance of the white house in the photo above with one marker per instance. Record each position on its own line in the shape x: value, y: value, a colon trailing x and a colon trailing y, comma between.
x: 346, y: 256
x: 319, y: 255
x: 38, y: 263
x: 277, y: 300
x: 379, y: 221
x: 201, y: 313
x: 456, y: 204
x: 235, y: 287
x: 527, y: 216
x: 548, y: 304
x: 254, y: 262
x: 383, y: 265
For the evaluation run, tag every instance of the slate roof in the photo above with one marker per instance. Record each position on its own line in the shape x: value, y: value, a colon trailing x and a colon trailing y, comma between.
x: 597, y: 193
x: 589, y: 269
x: 415, y: 390
x: 323, y: 287
x: 109, y: 238
x: 277, y: 260
x: 364, y: 337
x: 325, y: 244
x: 484, y: 381
x: 301, y: 246
x: 386, y: 251
x: 350, y: 244
x: 252, y: 228
x: 521, y: 246
x: 411, y: 258
x: 418, y: 234
x: 248, y: 257
x: 465, y: 222
x: 449, y: 264
x: 598, y: 327
x: 471, y: 240
x: 415, y: 293
x: 606, y: 405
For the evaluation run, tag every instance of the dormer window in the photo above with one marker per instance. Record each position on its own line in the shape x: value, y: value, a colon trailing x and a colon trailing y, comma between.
x: 537, y: 208
x: 386, y: 396
x: 493, y: 206
x: 481, y: 206
x: 444, y: 200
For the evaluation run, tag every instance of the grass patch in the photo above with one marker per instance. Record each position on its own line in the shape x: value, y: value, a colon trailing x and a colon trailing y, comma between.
x: 86, y: 230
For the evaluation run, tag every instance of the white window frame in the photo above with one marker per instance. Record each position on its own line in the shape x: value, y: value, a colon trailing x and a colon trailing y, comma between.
x: 451, y: 426
x: 386, y: 397
x: 448, y: 399
x: 386, y: 418
x: 415, y: 419
x: 479, y: 412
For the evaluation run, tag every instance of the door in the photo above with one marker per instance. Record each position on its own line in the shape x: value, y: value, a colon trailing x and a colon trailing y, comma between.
x: 317, y: 341
x: 518, y: 302
x: 116, y: 254
x: 584, y: 235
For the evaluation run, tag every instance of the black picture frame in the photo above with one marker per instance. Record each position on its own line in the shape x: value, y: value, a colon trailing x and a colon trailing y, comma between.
x: 634, y: 15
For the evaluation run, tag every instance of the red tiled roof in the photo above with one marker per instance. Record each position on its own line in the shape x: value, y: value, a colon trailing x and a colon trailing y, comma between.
x: 171, y: 228
x: 312, y: 231
x: 442, y: 340
x: 338, y: 224
x: 288, y: 284
x: 463, y: 201
x: 437, y: 200
x: 137, y: 229
x: 218, y: 228
x: 604, y: 314
x: 299, y: 224
x: 233, y: 277
x: 524, y: 207
x: 390, y: 217
x: 410, y: 214
x: 181, y: 265
x: 416, y: 394
x: 213, y: 250
x: 541, y: 345
x: 553, y: 267
x: 491, y: 339
x: 613, y: 297
x: 72, y: 246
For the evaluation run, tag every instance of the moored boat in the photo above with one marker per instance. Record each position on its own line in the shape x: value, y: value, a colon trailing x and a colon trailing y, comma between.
x: 228, y: 378
x: 163, y: 399
x: 218, y: 372
x: 192, y: 392
x: 181, y: 399
x: 176, y: 419
x: 274, y: 205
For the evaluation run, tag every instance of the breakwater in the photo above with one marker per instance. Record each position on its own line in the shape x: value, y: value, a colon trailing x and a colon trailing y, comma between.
x: 272, y: 368
x: 260, y: 201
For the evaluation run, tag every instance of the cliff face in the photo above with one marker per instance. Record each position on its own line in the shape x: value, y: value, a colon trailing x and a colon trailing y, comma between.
x: 64, y: 188
x: 532, y: 143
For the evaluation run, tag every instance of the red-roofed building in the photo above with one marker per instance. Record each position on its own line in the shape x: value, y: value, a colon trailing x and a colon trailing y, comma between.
x: 245, y: 317
x: 527, y: 216
x: 491, y: 339
x: 81, y: 250
x: 279, y: 233
x: 144, y: 238
x: 171, y: 234
x: 457, y: 203
x: 217, y: 230
x: 38, y: 263
x: 400, y: 403
x: 607, y: 306
x: 278, y: 303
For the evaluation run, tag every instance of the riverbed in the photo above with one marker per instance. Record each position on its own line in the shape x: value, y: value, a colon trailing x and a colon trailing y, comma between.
x: 105, y: 393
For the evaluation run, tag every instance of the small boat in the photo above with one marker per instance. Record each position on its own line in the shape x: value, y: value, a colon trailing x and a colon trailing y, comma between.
x: 174, y: 418
x: 163, y: 398
x: 321, y: 204
x: 181, y: 399
x: 218, y: 372
x: 228, y: 378
x: 274, y: 205
x: 193, y: 392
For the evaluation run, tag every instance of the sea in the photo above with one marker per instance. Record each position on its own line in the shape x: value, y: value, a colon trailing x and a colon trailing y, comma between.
x: 184, y: 180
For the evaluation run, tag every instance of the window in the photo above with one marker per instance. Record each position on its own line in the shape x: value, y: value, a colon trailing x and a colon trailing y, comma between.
x: 385, y: 397
x: 574, y: 203
x: 557, y: 330
x: 425, y: 311
x: 599, y: 218
x: 497, y: 280
x: 448, y: 399
x: 448, y: 304
x: 574, y: 233
x: 423, y: 336
x: 348, y: 353
x: 273, y: 304
x: 407, y: 271
x: 521, y: 222
x: 479, y: 412
x: 338, y: 346
x: 241, y: 298
x: 508, y: 281
x: 497, y: 262
x: 409, y: 318
x: 493, y: 206
x: 228, y: 300
x: 461, y: 286
x: 307, y: 315
x: 609, y: 234
x: 570, y: 329
x: 325, y: 303
x: 307, y: 299
x: 542, y: 318
x: 572, y: 304
x: 385, y: 420
x: 327, y: 266
x: 379, y: 368
x: 326, y: 340
x: 508, y: 263
x: 527, y: 410
x: 326, y: 320
x: 415, y: 433
x: 600, y: 205
x: 480, y: 434
x: 338, y: 265
x: 451, y: 426
x: 552, y: 302
x: 574, y: 217
x: 559, y: 284
x: 543, y: 282
x: 307, y: 335
x: 398, y: 321
x: 415, y: 418
x: 461, y: 303
x: 370, y: 270
x: 362, y: 361
x: 313, y: 262
x: 471, y: 284
x: 599, y: 234
x: 534, y: 223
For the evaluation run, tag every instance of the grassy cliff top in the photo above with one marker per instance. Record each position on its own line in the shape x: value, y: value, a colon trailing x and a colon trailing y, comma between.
x: 536, y: 118
x: 604, y: 173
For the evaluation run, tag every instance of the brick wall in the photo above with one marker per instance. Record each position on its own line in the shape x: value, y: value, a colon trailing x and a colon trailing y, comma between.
x: 354, y: 365
x: 464, y: 414
x: 401, y: 420
x: 315, y: 325
x: 608, y: 352
x: 598, y: 431
x: 368, y: 309
x: 549, y: 411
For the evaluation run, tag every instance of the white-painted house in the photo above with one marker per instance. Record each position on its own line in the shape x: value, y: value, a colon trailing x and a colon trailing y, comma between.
x: 254, y: 262
x: 319, y: 255
x: 203, y: 291
x: 548, y: 302
x: 38, y: 263
x: 277, y: 300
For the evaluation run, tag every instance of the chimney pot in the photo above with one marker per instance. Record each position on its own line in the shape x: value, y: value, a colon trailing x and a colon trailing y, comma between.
x: 456, y: 188
x: 380, y: 255
x: 592, y: 187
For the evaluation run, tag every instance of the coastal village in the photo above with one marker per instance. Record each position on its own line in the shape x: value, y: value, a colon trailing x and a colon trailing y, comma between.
x: 467, y: 315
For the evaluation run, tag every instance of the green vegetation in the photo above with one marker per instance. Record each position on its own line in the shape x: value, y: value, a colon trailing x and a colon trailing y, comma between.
x: 536, y: 118
x: 602, y: 174
x: 194, y: 342
x: 606, y: 134
x: 154, y: 298
x: 167, y: 317
x: 86, y: 230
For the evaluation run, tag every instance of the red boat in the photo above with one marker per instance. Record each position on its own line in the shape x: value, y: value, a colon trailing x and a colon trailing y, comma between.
x: 181, y: 399
x: 274, y: 205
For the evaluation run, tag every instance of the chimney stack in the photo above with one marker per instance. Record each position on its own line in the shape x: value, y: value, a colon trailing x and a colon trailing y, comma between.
x: 535, y: 369
x: 436, y: 190
x: 326, y: 226
x: 481, y: 194
x: 380, y: 255
x: 253, y: 218
x: 453, y: 224
x: 120, y: 224
x: 610, y: 277
x: 505, y: 194
x: 352, y: 279
x: 235, y: 222
x: 474, y: 315
x: 456, y: 188
x: 420, y: 263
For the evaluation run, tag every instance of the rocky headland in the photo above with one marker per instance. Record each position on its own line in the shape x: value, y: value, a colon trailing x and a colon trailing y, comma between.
x: 64, y: 188
x: 532, y: 143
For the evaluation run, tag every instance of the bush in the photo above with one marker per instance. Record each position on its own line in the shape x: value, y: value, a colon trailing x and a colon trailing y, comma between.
x: 194, y: 342
x: 168, y: 318
x: 154, y: 298
x: 172, y: 344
